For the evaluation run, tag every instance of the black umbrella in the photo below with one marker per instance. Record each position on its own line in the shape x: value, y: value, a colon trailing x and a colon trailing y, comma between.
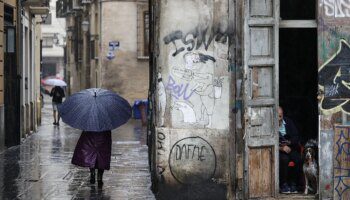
x: 95, y: 109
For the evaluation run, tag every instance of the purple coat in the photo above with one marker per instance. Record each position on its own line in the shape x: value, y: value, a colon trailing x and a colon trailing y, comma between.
x: 93, y: 150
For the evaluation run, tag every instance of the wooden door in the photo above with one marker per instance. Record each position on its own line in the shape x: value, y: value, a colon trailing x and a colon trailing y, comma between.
x: 12, y: 89
x: 261, y: 18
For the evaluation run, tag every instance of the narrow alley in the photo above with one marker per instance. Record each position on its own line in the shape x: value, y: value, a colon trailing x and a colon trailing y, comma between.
x: 40, y: 167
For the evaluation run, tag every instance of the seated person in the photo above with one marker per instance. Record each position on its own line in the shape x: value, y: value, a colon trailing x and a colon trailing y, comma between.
x: 288, y: 151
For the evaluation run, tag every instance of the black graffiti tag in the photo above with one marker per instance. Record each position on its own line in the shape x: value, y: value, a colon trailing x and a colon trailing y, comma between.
x: 171, y: 38
x: 195, y: 39
x: 160, y: 141
x: 192, y: 160
x: 335, y: 79
x: 190, y: 151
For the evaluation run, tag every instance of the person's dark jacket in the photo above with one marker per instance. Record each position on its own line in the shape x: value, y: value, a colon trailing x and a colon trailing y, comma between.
x: 93, y: 150
x: 291, y: 134
x: 57, y: 94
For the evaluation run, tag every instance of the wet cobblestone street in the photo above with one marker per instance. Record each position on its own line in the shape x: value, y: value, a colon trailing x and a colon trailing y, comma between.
x: 40, y: 167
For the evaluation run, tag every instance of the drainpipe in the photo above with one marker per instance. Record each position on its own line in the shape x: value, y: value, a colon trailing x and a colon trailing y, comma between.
x: 19, y: 63
x: 98, y: 78
x: 84, y: 71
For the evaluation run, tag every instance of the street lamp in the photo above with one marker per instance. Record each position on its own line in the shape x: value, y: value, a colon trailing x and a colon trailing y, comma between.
x: 69, y: 31
x: 85, y: 26
x: 55, y: 38
x: 44, y: 17
x: 69, y: 34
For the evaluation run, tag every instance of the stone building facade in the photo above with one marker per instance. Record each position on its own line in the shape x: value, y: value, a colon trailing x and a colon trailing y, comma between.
x: 20, y: 69
x: 219, y: 70
x: 191, y: 100
x: 112, y: 52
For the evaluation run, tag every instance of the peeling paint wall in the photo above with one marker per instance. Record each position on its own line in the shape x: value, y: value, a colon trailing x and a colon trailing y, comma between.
x: 193, y: 92
x: 194, y: 86
x: 125, y: 73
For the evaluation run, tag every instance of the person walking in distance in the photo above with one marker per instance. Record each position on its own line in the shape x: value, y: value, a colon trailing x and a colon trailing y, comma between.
x: 57, y: 95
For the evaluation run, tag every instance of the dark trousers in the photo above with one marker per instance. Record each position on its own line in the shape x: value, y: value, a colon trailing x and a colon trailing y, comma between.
x: 290, y: 174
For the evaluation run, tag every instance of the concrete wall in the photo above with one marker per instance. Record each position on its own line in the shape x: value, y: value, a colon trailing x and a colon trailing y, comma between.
x: 37, y: 72
x: 193, y: 92
x: 194, y: 71
x: 29, y: 73
x: 73, y: 79
x: 24, y: 70
x: 2, y: 83
x: 125, y: 73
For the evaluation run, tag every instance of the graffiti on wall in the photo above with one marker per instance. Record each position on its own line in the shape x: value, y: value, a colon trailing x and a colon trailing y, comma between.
x: 178, y: 90
x: 337, y: 8
x: 192, y: 78
x: 192, y: 160
x: 161, y: 151
x: 195, y: 39
x: 334, y: 80
x: 342, y: 163
x: 186, y: 108
x: 334, y: 34
x: 160, y: 143
x: 162, y: 99
x: 112, y: 47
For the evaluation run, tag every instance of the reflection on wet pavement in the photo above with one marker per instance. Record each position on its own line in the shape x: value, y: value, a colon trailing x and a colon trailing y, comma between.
x: 40, y: 167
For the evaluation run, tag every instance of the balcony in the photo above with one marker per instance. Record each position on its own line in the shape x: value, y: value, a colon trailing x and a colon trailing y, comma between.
x: 37, y: 10
x: 36, y: 3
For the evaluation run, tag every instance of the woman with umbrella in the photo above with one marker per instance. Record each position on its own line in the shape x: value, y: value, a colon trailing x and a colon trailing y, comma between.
x: 57, y: 94
x: 95, y: 111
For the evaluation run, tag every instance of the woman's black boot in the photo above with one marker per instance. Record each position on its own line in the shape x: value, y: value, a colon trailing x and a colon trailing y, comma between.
x: 92, y: 175
x: 99, y: 177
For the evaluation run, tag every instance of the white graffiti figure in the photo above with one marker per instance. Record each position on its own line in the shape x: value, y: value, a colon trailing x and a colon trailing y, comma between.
x: 206, y: 93
x: 204, y: 84
x: 161, y: 100
x: 188, y: 113
x: 337, y: 8
x: 190, y: 59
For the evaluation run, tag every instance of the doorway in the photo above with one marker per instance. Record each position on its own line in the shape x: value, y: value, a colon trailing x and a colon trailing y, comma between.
x: 298, y: 83
x: 12, y: 86
x: 298, y: 79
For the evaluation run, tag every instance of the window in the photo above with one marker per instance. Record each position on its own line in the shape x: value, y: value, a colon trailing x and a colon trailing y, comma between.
x: 146, y: 33
x: 8, y: 15
x: 9, y: 40
x: 48, y: 19
x: 48, y: 42
x: 92, y: 49
x: 142, y: 31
